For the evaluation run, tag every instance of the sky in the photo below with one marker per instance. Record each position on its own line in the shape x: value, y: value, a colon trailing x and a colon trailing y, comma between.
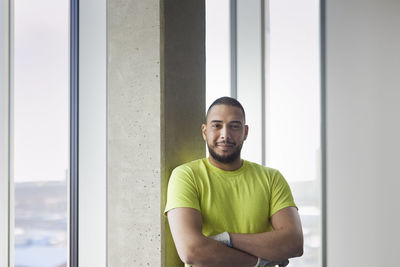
x: 293, y: 85
x: 41, y: 75
x: 41, y: 90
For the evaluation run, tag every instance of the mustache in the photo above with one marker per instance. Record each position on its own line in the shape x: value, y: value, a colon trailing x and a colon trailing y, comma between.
x: 226, y: 143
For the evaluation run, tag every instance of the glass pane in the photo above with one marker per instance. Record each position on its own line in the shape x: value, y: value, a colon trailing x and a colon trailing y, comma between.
x: 218, y: 52
x: 293, y: 113
x: 41, y: 132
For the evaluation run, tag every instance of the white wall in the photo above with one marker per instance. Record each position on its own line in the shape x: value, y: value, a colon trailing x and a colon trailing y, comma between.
x: 363, y: 130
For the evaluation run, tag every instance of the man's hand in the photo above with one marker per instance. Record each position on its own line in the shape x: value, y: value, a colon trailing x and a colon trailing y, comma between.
x: 284, y: 242
x: 264, y: 262
x: 226, y: 239
x: 196, y: 249
x: 223, y: 238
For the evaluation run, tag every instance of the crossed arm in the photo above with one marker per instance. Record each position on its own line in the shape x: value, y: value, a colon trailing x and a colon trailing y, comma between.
x: 285, y: 241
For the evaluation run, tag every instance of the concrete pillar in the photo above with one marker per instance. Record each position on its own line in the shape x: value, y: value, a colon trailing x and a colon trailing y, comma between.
x: 156, y: 96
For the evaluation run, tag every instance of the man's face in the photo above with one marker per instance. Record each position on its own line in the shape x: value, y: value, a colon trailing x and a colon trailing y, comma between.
x: 225, y: 132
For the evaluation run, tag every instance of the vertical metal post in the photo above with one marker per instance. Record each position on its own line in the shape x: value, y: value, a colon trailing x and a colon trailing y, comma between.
x: 74, y: 127
x: 9, y: 72
x: 323, y: 133
x: 264, y: 26
x: 233, y: 18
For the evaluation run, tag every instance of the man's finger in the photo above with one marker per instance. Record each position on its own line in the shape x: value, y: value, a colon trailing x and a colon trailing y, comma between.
x: 283, y: 264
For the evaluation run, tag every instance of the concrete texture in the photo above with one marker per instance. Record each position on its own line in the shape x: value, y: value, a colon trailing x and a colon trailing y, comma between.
x: 156, y: 99
x: 134, y: 232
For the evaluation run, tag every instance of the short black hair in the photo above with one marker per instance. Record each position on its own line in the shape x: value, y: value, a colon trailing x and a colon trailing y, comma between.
x: 226, y: 100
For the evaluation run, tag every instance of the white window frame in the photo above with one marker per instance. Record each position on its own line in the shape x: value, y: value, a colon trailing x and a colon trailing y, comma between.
x: 6, y: 214
x: 92, y: 133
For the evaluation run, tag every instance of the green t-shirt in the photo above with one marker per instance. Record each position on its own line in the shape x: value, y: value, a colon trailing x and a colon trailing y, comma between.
x: 240, y: 201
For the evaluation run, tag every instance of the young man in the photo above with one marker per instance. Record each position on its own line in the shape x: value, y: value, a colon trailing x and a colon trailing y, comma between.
x: 226, y: 211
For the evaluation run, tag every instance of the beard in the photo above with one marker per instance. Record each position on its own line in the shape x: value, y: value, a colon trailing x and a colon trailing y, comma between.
x: 227, y: 158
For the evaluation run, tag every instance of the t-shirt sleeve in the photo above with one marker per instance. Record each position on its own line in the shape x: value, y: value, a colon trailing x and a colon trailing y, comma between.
x: 281, y: 195
x: 182, y: 190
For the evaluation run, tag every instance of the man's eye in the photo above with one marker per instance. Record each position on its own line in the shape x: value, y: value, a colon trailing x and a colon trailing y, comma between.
x: 235, y: 126
x: 216, y: 125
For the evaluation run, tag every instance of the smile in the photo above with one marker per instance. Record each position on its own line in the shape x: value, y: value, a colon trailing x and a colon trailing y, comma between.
x: 225, y: 145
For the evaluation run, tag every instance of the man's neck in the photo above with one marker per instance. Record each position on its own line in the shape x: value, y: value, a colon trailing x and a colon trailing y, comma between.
x: 232, y: 166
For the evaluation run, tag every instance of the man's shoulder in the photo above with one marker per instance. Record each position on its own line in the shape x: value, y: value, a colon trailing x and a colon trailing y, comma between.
x: 261, y: 168
x: 191, y: 166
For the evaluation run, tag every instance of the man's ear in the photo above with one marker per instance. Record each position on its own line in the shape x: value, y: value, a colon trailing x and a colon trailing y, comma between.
x: 246, y: 131
x: 203, y: 131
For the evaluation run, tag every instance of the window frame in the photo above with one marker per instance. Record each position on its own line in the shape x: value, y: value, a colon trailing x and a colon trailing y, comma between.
x: 6, y: 214
x: 92, y: 124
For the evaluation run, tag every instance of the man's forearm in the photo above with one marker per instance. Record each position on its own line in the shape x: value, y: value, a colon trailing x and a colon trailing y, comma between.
x: 211, y: 253
x: 274, y: 246
x: 284, y: 242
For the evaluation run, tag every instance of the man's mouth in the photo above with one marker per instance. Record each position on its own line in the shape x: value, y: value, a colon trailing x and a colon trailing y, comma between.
x: 225, y: 144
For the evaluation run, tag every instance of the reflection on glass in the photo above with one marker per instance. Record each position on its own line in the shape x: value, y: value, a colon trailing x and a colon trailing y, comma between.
x: 41, y: 132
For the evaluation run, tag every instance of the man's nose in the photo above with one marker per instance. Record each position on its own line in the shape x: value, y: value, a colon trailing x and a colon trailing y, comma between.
x: 225, y: 133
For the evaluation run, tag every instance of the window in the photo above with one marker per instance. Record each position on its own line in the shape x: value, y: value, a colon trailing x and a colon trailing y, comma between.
x: 218, y: 51
x: 40, y: 152
x: 293, y: 143
x: 40, y: 146
x: 277, y: 73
